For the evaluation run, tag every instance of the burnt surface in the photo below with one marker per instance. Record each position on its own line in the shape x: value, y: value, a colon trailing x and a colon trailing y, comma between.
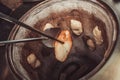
x: 81, y: 59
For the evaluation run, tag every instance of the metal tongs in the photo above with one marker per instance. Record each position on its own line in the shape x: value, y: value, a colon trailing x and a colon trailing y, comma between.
x: 15, y: 21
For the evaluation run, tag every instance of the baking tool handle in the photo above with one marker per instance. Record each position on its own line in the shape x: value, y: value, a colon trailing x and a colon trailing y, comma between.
x: 3, y: 43
x: 15, y: 21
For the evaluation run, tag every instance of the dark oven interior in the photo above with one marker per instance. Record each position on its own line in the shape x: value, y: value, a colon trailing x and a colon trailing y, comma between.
x: 6, y: 27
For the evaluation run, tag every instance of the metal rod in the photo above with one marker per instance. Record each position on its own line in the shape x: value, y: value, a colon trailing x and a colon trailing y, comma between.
x: 15, y: 21
x: 2, y: 43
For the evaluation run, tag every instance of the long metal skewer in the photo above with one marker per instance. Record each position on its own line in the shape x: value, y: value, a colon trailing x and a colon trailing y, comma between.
x: 2, y: 43
x: 15, y: 21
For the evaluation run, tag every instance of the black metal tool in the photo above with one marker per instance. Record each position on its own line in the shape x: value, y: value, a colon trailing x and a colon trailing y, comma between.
x: 15, y: 21
x: 2, y: 43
